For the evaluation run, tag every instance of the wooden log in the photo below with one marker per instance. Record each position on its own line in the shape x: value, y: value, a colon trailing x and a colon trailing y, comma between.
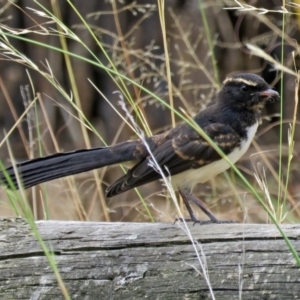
x: 153, y: 261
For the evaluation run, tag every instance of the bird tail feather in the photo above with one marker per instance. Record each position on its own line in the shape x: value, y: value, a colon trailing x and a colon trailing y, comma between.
x: 39, y: 170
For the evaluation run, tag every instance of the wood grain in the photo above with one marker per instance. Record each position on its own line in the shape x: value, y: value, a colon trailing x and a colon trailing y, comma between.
x: 153, y: 261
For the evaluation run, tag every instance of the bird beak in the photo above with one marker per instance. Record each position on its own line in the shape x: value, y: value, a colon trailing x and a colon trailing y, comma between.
x: 269, y: 93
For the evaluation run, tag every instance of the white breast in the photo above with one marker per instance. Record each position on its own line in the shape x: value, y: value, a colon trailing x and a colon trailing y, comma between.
x: 191, y: 177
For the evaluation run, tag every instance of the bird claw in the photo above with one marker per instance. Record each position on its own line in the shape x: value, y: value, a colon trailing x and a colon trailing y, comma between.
x: 225, y: 222
x: 200, y: 222
x: 195, y: 221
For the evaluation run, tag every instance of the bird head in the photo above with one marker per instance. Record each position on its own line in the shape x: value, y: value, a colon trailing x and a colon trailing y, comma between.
x: 247, y: 90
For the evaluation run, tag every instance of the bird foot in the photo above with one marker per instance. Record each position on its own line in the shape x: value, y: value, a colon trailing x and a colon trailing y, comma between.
x: 195, y: 221
x: 201, y: 222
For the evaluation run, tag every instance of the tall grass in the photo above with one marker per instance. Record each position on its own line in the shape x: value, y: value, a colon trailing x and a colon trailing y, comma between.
x: 135, y: 116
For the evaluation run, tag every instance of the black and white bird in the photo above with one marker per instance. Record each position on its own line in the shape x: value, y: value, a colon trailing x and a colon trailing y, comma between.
x: 231, y: 123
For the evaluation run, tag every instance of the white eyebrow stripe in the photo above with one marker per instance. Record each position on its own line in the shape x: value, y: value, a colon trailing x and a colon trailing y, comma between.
x: 247, y: 82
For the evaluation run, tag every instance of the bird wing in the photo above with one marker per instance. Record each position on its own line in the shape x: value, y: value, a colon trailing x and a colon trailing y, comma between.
x: 179, y: 153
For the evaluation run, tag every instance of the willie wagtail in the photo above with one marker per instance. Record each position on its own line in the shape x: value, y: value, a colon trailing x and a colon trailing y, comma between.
x: 181, y: 152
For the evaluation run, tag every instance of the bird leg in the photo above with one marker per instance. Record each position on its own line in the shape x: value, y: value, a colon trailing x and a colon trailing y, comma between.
x: 188, y: 196
x: 192, y: 215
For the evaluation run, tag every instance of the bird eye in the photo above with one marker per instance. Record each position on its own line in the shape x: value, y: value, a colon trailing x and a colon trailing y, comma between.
x: 245, y: 88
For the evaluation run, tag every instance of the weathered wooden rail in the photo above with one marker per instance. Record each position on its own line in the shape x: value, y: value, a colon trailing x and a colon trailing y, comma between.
x: 153, y: 261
